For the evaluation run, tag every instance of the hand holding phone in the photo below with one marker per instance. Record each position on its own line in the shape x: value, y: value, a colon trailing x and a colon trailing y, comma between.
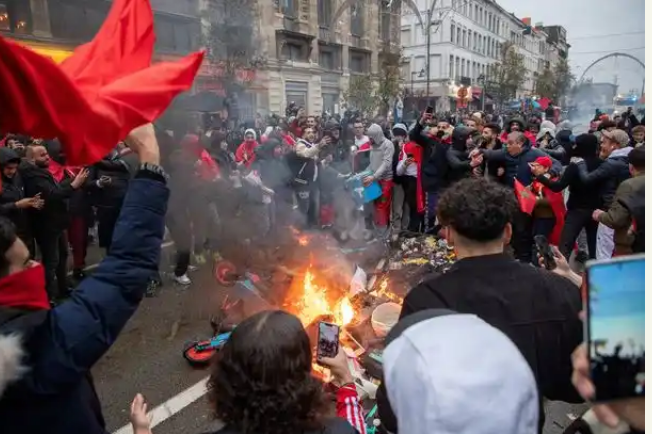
x: 328, y: 340
x: 545, y: 251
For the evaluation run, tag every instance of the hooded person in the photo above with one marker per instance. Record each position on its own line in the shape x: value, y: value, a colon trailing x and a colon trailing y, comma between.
x: 548, y: 124
x: 380, y: 169
x: 245, y: 153
x: 451, y: 373
x: 13, y: 203
x: 614, y: 150
x: 517, y: 124
x: 461, y: 166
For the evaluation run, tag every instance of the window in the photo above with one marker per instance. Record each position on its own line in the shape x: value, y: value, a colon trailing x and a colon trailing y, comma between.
x: 464, y: 38
x: 453, y: 33
x: 457, y: 66
x: 451, y: 67
x: 357, y: 20
x: 385, y: 24
x: 476, y: 16
x: 325, y: 12
x: 326, y: 60
x: 4, y: 18
x: 289, y: 8
x: 358, y: 61
x: 406, y: 39
x: 293, y: 52
x: 458, y: 39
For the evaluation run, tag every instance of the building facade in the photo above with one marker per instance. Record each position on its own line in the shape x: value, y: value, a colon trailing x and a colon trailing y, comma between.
x: 465, y: 39
x: 311, y: 48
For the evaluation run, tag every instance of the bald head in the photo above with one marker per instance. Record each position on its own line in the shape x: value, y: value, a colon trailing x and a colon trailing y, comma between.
x: 38, y: 155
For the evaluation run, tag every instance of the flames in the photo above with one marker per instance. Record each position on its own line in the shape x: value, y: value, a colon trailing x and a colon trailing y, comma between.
x: 301, y: 239
x: 383, y: 292
x: 313, y: 300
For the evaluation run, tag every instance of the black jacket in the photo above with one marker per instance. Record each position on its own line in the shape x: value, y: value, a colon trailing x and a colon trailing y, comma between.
x: 53, y: 217
x: 116, y: 168
x: 580, y: 195
x: 537, y: 309
x: 608, y: 176
x: 11, y: 192
x: 434, y: 163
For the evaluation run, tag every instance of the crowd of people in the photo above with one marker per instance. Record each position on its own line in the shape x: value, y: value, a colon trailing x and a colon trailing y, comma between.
x: 488, y: 184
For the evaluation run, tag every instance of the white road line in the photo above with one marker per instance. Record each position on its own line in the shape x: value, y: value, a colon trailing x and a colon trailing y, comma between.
x: 172, y: 406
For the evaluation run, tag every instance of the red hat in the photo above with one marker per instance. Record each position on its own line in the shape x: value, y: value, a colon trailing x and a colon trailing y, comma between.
x: 544, y: 161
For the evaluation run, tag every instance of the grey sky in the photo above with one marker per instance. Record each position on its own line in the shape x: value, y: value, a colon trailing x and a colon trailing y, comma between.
x: 587, y: 23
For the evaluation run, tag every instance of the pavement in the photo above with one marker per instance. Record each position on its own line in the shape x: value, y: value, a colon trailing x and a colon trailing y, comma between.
x: 147, y: 358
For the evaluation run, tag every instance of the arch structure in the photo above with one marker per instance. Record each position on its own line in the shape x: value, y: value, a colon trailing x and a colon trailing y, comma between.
x: 616, y: 54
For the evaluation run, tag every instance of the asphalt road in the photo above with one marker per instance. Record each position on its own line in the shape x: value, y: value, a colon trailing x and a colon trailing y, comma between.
x: 147, y: 359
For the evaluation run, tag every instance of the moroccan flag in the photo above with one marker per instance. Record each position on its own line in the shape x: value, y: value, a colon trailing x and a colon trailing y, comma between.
x: 102, y: 92
x: 525, y: 197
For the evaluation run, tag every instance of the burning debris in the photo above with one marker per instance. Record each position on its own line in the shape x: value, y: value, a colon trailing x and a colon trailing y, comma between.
x: 423, y: 251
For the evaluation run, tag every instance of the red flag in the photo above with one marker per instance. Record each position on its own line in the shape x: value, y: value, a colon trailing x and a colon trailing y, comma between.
x: 94, y: 100
x: 558, y: 207
x: 525, y: 197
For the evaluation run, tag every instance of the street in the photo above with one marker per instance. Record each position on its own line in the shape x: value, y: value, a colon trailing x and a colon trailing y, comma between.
x: 147, y: 358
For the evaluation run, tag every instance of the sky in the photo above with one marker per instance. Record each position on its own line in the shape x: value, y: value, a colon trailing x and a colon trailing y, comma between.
x: 595, y: 28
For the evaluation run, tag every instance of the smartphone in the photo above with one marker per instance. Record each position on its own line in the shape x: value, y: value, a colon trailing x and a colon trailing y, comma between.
x: 430, y: 109
x: 543, y: 248
x: 615, y: 327
x: 328, y: 340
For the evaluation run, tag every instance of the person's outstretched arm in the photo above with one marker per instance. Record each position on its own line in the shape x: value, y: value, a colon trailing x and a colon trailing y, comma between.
x: 79, y: 331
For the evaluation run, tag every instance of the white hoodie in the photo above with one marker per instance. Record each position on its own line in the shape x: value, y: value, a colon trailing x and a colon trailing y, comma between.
x: 456, y: 374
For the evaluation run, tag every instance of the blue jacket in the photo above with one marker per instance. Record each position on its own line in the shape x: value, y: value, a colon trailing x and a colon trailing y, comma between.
x: 518, y: 166
x: 56, y: 395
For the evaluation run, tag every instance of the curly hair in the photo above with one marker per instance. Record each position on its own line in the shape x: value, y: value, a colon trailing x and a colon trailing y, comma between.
x: 477, y: 209
x: 262, y: 379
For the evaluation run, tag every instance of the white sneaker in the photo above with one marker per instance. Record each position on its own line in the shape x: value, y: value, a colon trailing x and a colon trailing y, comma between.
x: 182, y: 280
x: 192, y: 268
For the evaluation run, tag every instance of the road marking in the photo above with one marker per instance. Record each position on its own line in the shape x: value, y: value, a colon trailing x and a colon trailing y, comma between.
x: 172, y: 406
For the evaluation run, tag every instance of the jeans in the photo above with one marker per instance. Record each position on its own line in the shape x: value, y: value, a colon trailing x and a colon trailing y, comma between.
x: 54, y: 255
x: 432, y: 197
x: 411, y: 191
x: 522, y: 240
x: 604, y: 242
x: 575, y: 221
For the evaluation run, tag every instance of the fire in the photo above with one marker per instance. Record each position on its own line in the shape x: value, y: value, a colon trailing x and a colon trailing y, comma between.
x: 302, y: 239
x: 383, y: 292
x: 313, y: 301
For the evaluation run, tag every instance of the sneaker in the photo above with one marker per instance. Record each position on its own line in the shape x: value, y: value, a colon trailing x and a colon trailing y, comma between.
x: 182, y: 280
x: 192, y: 268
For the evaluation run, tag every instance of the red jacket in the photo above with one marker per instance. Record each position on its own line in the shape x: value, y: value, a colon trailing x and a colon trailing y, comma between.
x: 417, y: 153
x: 246, y: 153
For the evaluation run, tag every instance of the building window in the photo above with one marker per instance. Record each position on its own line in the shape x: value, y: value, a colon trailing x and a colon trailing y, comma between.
x: 463, y: 72
x: 385, y: 23
x: 457, y: 67
x: 357, y: 20
x: 453, y: 33
x: 289, y: 8
x: 293, y: 52
x: 326, y: 60
x: 15, y: 16
x: 325, y: 12
x: 451, y: 67
x: 458, y: 39
x: 406, y: 39
x: 463, y: 38
x: 359, y: 61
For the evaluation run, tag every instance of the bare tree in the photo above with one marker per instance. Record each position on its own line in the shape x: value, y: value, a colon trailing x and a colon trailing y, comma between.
x: 508, y: 74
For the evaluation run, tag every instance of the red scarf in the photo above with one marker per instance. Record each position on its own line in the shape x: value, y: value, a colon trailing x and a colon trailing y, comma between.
x: 59, y: 171
x: 417, y: 153
x: 25, y: 289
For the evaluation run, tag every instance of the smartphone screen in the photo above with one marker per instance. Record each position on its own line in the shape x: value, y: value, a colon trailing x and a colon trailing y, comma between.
x: 328, y: 340
x: 615, y: 327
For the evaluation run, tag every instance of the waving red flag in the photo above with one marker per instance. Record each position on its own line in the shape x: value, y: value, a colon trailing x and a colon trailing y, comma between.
x: 525, y: 197
x: 102, y: 92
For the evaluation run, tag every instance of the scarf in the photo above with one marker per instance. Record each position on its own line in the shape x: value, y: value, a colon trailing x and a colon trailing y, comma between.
x: 25, y: 289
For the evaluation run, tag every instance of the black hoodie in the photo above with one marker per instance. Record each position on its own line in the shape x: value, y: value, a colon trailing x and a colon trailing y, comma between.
x: 458, y: 155
x: 581, y: 196
x: 11, y: 192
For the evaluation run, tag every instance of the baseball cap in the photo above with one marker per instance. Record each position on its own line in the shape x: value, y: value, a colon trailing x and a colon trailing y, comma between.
x: 544, y: 161
x: 618, y: 136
